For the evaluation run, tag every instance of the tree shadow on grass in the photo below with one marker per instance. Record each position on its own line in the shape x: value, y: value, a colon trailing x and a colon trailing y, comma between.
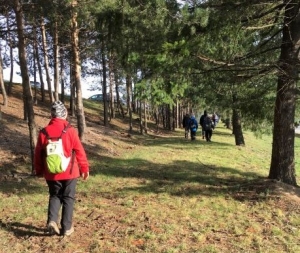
x: 12, y: 139
x: 189, y: 179
x: 181, y: 143
x: 20, y: 184
x: 24, y: 230
x: 179, y: 178
x: 229, y: 133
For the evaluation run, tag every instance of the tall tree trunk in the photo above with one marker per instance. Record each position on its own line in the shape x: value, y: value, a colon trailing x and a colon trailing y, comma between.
x: 46, y: 60
x: 236, y: 122
x: 72, y: 89
x: 168, y: 118
x: 129, y: 100
x: 111, y: 88
x: 62, y: 74
x: 36, y: 49
x: 178, y: 119
x: 104, y: 85
x: 140, y: 116
x: 56, y: 62
x: 2, y: 86
x: 120, y: 105
x: 77, y: 72
x: 157, y: 115
x: 282, y: 162
x: 237, y: 128
x: 11, y: 55
x: 145, y: 117
x: 35, y: 59
x: 34, y: 75
x: 25, y: 78
x: 173, y: 117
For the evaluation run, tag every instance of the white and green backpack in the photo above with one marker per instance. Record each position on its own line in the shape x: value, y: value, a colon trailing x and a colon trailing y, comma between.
x: 56, y: 160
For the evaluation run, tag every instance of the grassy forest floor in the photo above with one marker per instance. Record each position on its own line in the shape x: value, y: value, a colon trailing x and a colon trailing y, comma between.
x: 149, y: 193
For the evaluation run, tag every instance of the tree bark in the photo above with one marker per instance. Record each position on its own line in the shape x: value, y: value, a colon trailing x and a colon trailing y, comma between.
x: 140, y: 103
x: 129, y: 104
x: 77, y: 73
x: 2, y: 86
x: 56, y: 61
x: 62, y: 74
x: 34, y: 75
x: 36, y: 49
x: 72, y: 88
x: 178, y: 114
x: 104, y: 84
x: 11, y: 56
x: 237, y: 128
x: 111, y: 86
x: 282, y: 162
x: 145, y: 118
x: 46, y: 60
x: 28, y: 102
x: 120, y: 105
x: 35, y: 59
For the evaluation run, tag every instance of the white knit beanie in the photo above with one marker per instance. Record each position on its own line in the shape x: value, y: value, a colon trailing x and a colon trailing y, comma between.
x: 58, y: 110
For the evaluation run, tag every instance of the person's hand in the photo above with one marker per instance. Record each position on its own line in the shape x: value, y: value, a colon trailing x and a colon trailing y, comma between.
x: 85, y: 175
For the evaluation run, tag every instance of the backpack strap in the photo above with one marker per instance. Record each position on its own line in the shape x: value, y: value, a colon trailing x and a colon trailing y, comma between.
x: 44, y: 131
x: 65, y: 129
x: 72, y: 152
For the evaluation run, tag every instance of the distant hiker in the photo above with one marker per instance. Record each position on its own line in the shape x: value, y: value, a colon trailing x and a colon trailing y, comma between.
x: 215, y: 119
x: 201, y: 123
x: 185, y: 124
x: 193, y: 124
x: 62, y: 185
x: 208, y: 126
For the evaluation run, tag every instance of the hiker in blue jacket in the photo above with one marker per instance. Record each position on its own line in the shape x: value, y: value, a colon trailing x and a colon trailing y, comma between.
x: 193, y: 127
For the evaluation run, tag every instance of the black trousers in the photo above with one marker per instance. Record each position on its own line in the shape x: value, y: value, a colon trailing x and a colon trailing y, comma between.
x: 203, y: 132
x: 193, y: 135
x: 208, y: 134
x: 186, y: 132
x: 62, y: 194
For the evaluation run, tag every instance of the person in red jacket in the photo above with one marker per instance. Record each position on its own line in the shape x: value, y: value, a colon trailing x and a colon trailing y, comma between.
x: 62, y: 186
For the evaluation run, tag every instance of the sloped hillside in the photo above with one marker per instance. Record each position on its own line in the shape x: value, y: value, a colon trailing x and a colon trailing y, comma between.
x: 14, y: 142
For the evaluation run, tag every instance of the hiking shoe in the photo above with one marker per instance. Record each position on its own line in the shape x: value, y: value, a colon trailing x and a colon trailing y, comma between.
x: 69, y: 232
x: 53, y: 228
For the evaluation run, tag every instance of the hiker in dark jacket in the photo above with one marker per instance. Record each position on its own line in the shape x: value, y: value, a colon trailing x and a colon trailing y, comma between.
x: 201, y: 123
x: 185, y: 124
x: 215, y: 119
x: 208, y: 126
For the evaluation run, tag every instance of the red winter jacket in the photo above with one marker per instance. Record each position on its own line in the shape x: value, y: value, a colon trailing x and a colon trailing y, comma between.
x: 71, y: 142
